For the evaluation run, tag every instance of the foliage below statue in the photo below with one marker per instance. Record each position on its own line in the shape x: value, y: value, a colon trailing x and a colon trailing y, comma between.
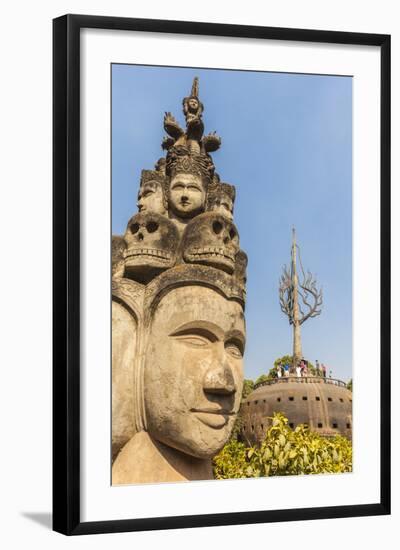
x: 284, y: 452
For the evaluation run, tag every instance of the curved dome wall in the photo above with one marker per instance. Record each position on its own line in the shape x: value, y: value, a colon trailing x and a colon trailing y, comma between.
x: 324, y: 404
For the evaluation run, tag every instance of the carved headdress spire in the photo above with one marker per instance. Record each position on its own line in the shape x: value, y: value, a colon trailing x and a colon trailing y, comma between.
x: 192, y: 106
x: 192, y: 138
x: 195, y: 87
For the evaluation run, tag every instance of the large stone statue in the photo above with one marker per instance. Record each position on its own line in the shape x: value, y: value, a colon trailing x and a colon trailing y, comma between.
x: 178, y: 315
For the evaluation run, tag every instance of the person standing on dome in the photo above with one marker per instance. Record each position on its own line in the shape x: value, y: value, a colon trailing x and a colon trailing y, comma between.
x: 286, y: 370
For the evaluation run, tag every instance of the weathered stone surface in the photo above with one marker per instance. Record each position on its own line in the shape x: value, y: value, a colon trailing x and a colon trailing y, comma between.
x: 118, y: 246
x: 146, y: 460
x: 192, y: 275
x: 241, y: 261
x: 124, y: 335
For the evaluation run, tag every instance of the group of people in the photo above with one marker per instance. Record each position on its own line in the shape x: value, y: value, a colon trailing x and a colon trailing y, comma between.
x: 301, y: 369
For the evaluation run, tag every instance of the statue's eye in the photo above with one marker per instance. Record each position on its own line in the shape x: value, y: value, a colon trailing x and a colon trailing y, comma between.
x: 234, y: 349
x: 151, y: 227
x: 196, y: 337
x: 194, y: 341
x: 232, y: 233
x: 134, y: 228
x: 217, y: 227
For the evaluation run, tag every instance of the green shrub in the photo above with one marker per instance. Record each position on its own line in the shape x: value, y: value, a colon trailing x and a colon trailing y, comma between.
x: 248, y: 387
x: 284, y: 452
x: 264, y: 377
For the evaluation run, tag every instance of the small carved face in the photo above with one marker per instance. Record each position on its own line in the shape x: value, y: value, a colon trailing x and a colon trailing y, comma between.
x: 151, y: 244
x: 150, y: 197
x: 223, y: 204
x: 241, y: 267
x: 211, y: 239
x: 193, y: 104
x: 187, y: 195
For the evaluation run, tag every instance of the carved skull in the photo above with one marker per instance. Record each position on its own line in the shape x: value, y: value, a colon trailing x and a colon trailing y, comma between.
x: 151, y: 246
x: 211, y: 239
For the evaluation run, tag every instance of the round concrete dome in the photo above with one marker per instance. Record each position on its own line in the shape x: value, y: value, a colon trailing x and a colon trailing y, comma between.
x: 324, y: 404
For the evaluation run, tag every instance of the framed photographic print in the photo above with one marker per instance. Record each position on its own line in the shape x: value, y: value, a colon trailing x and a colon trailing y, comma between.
x: 221, y: 274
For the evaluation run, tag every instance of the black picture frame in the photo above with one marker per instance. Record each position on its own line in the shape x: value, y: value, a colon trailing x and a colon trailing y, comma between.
x: 66, y: 273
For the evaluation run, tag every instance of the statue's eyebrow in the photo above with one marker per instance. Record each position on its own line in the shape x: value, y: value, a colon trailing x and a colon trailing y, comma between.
x: 209, y: 330
x: 236, y: 334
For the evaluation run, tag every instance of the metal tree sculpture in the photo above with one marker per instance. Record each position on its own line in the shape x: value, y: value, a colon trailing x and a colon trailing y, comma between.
x: 290, y: 288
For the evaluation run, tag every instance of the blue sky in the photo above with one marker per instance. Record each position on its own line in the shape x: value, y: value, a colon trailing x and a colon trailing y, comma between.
x: 287, y: 147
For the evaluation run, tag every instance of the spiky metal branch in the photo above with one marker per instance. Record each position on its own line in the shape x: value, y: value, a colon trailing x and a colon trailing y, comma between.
x: 310, y: 302
x: 310, y: 292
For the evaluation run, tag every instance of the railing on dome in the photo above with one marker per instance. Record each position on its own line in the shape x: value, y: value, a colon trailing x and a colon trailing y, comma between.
x: 301, y: 380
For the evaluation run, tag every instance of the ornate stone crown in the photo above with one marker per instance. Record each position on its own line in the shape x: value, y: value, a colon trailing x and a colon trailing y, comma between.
x: 181, y: 160
x: 152, y: 175
x: 202, y: 245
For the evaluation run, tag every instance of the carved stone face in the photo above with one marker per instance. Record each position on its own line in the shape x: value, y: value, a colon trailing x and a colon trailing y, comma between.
x: 194, y: 370
x: 223, y: 204
x: 150, y: 198
x: 211, y: 239
x: 151, y: 243
x: 193, y: 105
x: 187, y: 195
x: 241, y: 267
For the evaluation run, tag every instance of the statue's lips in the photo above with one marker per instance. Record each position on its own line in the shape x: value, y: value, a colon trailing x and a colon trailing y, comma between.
x: 213, y: 418
x: 133, y: 253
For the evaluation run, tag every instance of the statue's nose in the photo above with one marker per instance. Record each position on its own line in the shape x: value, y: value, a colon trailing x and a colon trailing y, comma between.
x: 219, y: 380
